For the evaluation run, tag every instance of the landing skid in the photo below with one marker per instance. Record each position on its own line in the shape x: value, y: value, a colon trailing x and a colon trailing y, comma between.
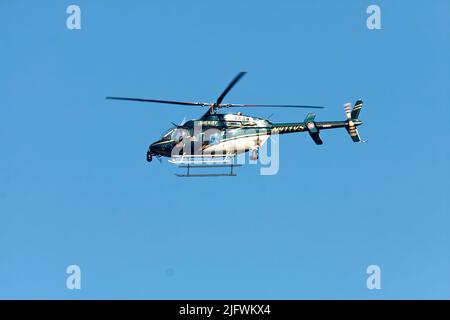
x: 190, y: 162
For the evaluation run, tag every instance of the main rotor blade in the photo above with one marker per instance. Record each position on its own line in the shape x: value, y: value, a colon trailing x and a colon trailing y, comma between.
x: 201, y: 104
x: 230, y: 86
x: 232, y: 105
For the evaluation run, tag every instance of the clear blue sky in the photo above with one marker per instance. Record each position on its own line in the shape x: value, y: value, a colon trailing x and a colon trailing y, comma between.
x: 75, y: 187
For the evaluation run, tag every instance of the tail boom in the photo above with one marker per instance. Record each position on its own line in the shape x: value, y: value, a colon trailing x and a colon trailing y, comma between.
x: 314, y: 127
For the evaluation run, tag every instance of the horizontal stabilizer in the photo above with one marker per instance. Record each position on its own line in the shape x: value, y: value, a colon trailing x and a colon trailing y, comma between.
x: 312, y: 128
x: 316, y: 137
x: 310, y: 117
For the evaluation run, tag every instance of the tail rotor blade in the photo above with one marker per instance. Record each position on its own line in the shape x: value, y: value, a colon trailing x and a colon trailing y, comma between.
x: 348, y: 110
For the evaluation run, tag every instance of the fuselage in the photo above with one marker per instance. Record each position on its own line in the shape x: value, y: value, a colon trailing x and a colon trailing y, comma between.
x: 227, y: 134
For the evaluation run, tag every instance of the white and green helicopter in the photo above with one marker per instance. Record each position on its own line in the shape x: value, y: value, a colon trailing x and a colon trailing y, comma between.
x: 215, y: 139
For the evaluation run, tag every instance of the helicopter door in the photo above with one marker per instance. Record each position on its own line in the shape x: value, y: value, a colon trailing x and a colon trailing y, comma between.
x: 214, y: 138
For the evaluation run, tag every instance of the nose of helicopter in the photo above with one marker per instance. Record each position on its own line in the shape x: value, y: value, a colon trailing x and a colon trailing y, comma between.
x: 155, y: 147
x: 153, y: 150
x: 160, y: 147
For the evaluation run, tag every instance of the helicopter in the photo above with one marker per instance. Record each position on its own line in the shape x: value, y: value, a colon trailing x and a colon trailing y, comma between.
x: 219, y: 137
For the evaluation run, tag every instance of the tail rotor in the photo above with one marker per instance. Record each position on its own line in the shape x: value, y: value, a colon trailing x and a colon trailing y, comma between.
x: 353, y: 121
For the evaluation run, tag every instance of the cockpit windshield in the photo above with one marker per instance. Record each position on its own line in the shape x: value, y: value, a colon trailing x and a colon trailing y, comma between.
x: 166, y: 135
x: 176, y: 134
